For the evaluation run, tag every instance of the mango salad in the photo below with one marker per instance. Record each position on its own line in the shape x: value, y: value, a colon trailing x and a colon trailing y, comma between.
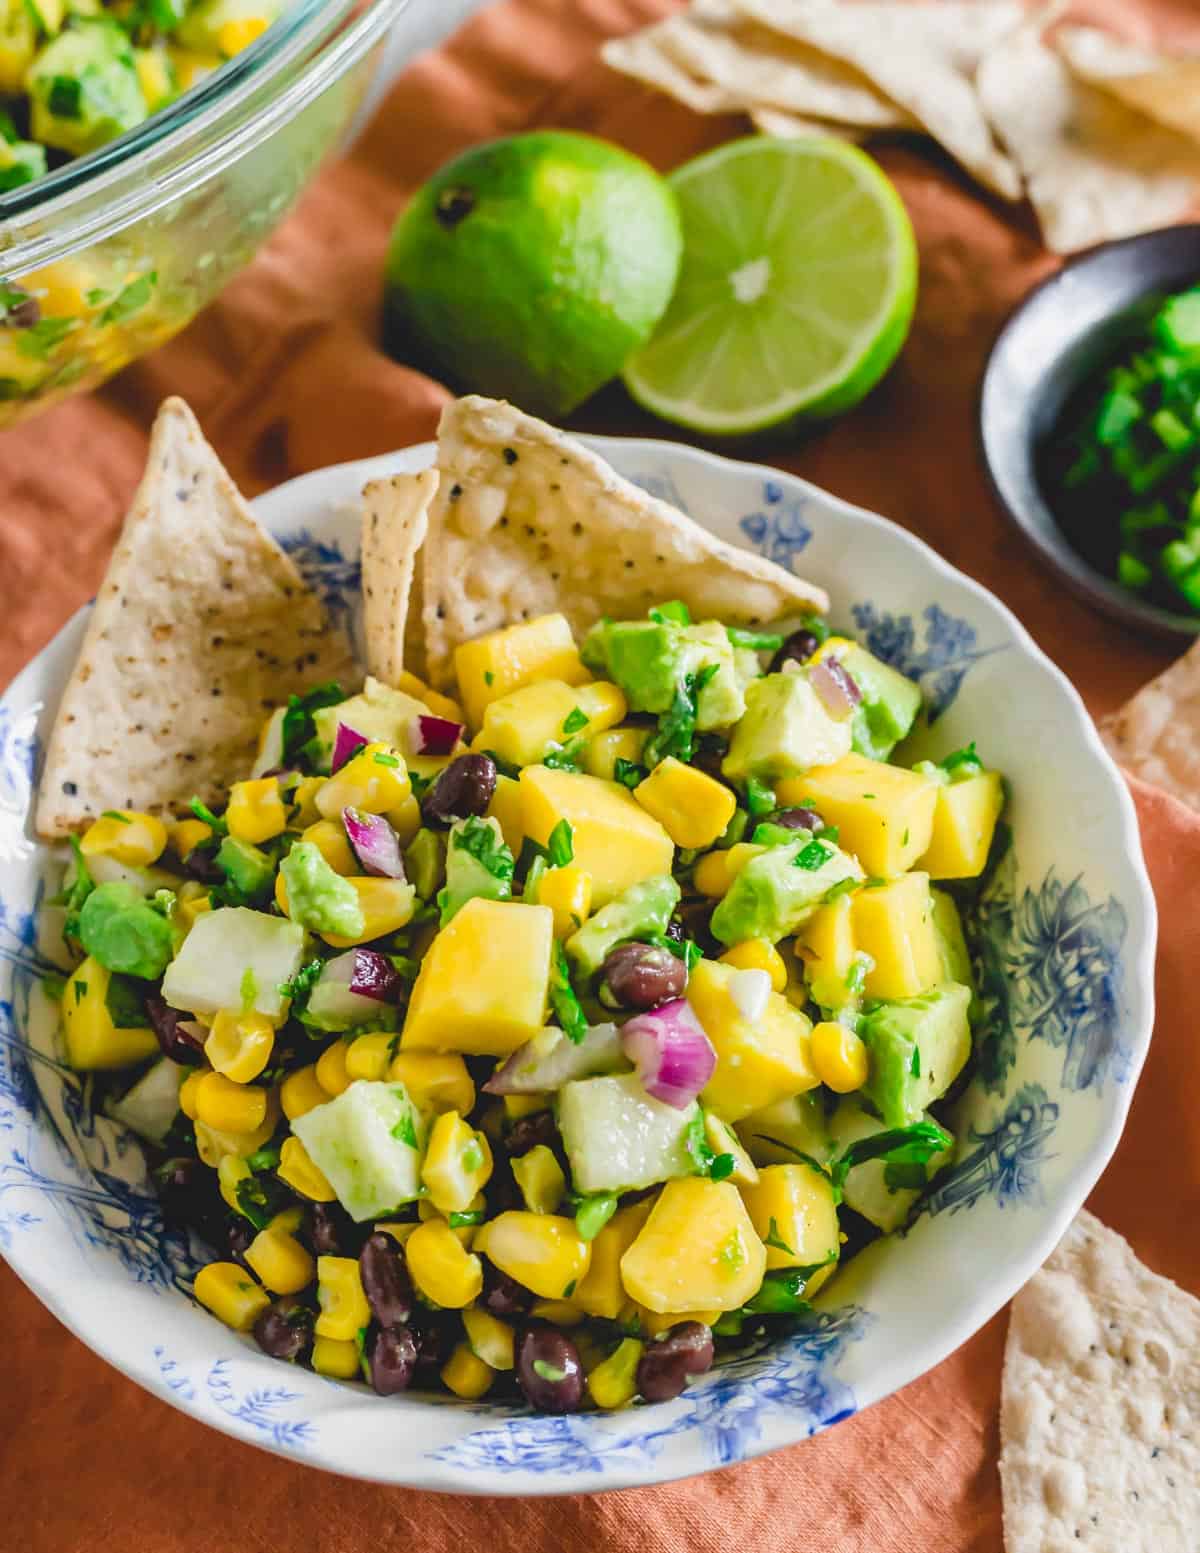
x: 551, y: 1038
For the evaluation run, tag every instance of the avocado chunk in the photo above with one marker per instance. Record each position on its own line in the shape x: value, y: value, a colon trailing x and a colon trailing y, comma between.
x: 368, y: 1145
x: 425, y: 862
x: 779, y: 889
x: 21, y: 161
x: 478, y: 865
x: 642, y: 909
x: 84, y: 88
x: 124, y: 932
x: 781, y: 1133
x: 247, y: 868
x: 229, y: 950
x: 382, y: 715
x: 917, y: 1047
x: 785, y: 731
x: 317, y: 896
x: 951, y: 943
x: 618, y: 1138
x: 889, y: 706
x: 867, y: 1189
x: 651, y: 659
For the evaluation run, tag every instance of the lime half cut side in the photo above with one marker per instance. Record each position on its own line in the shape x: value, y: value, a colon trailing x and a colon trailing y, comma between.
x: 797, y: 287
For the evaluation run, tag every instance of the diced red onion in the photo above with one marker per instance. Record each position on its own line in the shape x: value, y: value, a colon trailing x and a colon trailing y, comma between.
x: 367, y: 973
x: 750, y: 990
x: 837, y: 689
x: 430, y: 735
x: 376, y: 845
x: 346, y: 742
x: 673, y: 1056
x: 551, y: 1059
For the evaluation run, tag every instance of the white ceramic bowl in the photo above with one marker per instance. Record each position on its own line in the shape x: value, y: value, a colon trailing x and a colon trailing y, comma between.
x: 1065, y: 943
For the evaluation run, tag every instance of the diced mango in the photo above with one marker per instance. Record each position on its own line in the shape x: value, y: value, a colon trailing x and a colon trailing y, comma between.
x: 256, y: 811
x: 605, y: 749
x: 375, y: 780
x: 540, y: 1250
x: 482, y: 986
x: 884, y: 814
x: 697, y: 1250
x: 964, y: 820
x: 794, y: 1214
x: 405, y: 819
x: 893, y: 923
x: 826, y: 942
x: 568, y: 893
x: 503, y: 661
x: 526, y: 725
x: 758, y: 954
x: 435, y: 1081
x: 505, y: 809
x: 757, y: 1063
x: 840, y: 1057
x: 387, y: 905
x: 601, y: 1292
x: 716, y: 871
x: 330, y: 839
x: 692, y: 807
x: 93, y: 1040
x: 615, y: 840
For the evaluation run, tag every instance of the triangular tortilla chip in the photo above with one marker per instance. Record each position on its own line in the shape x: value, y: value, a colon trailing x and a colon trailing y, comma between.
x: 921, y: 57
x: 1098, y: 1442
x: 526, y: 521
x: 395, y: 519
x: 1163, y: 88
x: 1156, y: 734
x: 201, y: 626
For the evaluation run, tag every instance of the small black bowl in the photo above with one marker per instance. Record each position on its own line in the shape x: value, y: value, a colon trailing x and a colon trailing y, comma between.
x: 1059, y: 335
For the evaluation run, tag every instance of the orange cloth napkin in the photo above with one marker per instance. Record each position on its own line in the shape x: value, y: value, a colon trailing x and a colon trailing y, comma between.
x: 286, y: 376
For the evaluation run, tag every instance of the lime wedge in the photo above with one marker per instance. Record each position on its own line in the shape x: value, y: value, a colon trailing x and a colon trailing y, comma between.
x: 797, y: 287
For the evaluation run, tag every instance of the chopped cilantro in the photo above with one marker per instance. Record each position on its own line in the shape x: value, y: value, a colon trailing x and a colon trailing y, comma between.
x: 73, y: 898
x: 628, y: 772
x: 565, y: 757
x: 259, y: 1199
x: 563, y: 998
x: 685, y: 949
x: 405, y: 1130
x: 478, y: 838
x: 381, y: 758
x: 813, y: 856
x: 695, y: 1140
x: 130, y: 298
x: 674, y: 612
x: 299, y: 989
x: 723, y: 1165
x: 963, y: 763
x: 760, y: 799
x: 842, y: 887
x: 768, y: 835
x: 65, y: 97
x: 774, y: 1238
x: 248, y: 989
x: 570, y: 1289
x: 914, y: 1066
x: 900, y: 1148
x: 115, y: 814
x: 561, y: 844
x: 756, y: 641
x: 677, y: 726
x: 574, y: 721
x: 264, y: 1159
x: 214, y: 821
x: 298, y: 726
x: 39, y: 339
x: 488, y: 677
x: 504, y: 767
x: 467, y: 1217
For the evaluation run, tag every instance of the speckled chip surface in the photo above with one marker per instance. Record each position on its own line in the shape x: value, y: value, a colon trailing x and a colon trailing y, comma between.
x: 394, y: 522
x: 1100, y: 1411
x: 201, y: 626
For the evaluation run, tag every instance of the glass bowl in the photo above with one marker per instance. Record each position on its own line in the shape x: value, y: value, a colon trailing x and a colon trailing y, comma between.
x: 122, y: 248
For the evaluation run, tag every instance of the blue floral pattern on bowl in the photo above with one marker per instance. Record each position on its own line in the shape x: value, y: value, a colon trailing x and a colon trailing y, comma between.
x: 1061, y: 931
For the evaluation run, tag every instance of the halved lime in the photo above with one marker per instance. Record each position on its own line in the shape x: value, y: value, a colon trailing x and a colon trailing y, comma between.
x: 796, y: 291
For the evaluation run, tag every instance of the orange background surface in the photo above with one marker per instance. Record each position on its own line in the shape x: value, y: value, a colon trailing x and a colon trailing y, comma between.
x: 286, y: 377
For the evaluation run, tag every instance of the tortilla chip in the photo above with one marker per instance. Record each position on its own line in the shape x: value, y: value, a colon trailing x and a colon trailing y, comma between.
x: 395, y: 519
x: 922, y: 57
x: 1156, y: 735
x: 791, y: 126
x: 527, y: 522
x: 1095, y: 168
x: 1098, y: 1442
x: 201, y: 626
x: 1164, y: 89
x: 717, y: 61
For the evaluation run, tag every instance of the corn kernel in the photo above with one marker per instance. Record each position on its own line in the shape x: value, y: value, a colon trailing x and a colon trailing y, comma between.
x: 655, y: 1323
x: 758, y: 954
x: 560, y: 1313
x: 280, y: 1262
x: 375, y: 780
x: 288, y: 1220
x: 545, y: 1253
x: 465, y: 1374
x: 301, y: 1092
x: 601, y: 1292
x: 435, y: 1081
x: 213, y: 1144
x: 344, y: 1308
x: 693, y: 808
x: 331, y: 1070
x: 304, y: 802
x: 240, y: 1045
x: 256, y: 812
x: 568, y: 893
x: 231, y: 1294
x: 613, y: 1382
x: 716, y: 871
x: 540, y: 1177
x: 298, y: 1171
x: 398, y: 1232
x: 839, y: 1056
x: 187, y: 1093
x: 387, y: 906
x: 830, y: 648
x: 367, y: 1056
x: 441, y: 1267
x: 229, y: 1107
x: 126, y: 836
x: 239, y: 33
x: 517, y: 1106
x: 191, y: 905
x: 231, y: 1172
x: 335, y: 1357
x: 490, y: 1338
x: 457, y: 1163
x: 605, y: 749
x: 186, y: 835
x: 330, y: 839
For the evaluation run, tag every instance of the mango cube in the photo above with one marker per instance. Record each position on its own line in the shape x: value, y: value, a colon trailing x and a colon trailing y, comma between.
x: 601, y: 1292
x: 893, y: 923
x: 375, y: 780
x: 693, y: 808
x: 387, y: 905
x: 964, y: 820
x: 568, y: 893
x: 482, y: 986
x: 827, y: 947
x: 697, y: 1250
x: 605, y: 749
x: 330, y: 839
x: 884, y: 814
x: 94, y: 1040
x: 759, y: 1061
x: 435, y: 1082
x: 615, y: 840
x: 505, y: 809
x: 502, y: 661
x: 794, y: 1214
x: 526, y: 725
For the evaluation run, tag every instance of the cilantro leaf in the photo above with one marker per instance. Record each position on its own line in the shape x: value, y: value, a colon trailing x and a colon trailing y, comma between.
x: 677, y: 725
x: 214, y: 821
x: 722, y: 1166
x: 299, y: 989
x: 964, y: 762
x: 575, y: 721
x: 561, y: 844
x: 900, y: 1148
x: 673, y: 612
x: 298, y: 726
x: 774, y: 1238
x: 815, y: 855
x: 757, y: 641
x: 565, y: 757
x: 130, y: 298
x: 81, y: 887
x: 628, y: 772
x: 696, y: 1142
x: 405, y: 1129
x: 479, y: 838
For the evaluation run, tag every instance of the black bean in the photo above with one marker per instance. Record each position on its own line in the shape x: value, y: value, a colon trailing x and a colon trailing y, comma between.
x: 503, y: 1295
x: 434, y: 1334
x: 548, y: 1370
x: 330, y: 1230
x: 465, y: 787
x: 385, y: 1281
x: 188, y: 1193
x: 529, y: 1131
x: 687, y: 1349
x: 798, y: 648
x: 798, y: 819
x: 178, y: 1044
x: 393, y: 1359
x: 239, y: 1233
x: 642, y: 976
x: 201, y: 864
x: 285, y: 1329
